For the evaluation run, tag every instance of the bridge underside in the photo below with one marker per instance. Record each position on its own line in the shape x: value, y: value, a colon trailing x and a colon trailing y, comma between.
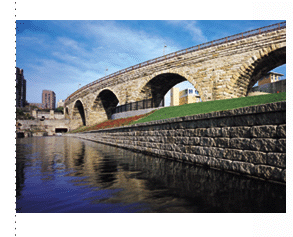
x: 265, y: 65
x: 158, y: 87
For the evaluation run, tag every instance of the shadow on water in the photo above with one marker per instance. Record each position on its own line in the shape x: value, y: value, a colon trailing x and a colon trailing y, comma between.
x: 110, y: 179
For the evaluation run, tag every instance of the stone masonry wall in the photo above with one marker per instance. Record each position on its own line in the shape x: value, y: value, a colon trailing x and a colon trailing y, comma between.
x: 219, y: 72
x: 47, y: 126
x: 249, y: 141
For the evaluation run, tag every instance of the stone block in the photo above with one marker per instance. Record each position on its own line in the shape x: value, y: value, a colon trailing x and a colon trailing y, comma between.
x: 283, y: 175
x: 194, y: 141
x: 170, y: 139
x: 265, y: 131
x: 214, y: 132
x: 240, y: 143
x: 263, y: 144
x: 281, y: 145
x: 213, y: 162
x: 224, y: 122
x: 254, y: 157
x: 200, y: 159
x: 200, y: 132
x: 222, y: 141
x: 207, y: 141
x: 197, y: 150
x: 271, y: 118
x: 179, y: 132
x: 281, y: 131
x: 242, y: 167
x: 225, y: 131
x: 242, y: 132
x: 216, y: 152
x: 225, y: 164
x: 246, y: 168
x: 245, y: 120
x: 268, y: 172
x: 189, y: 157
x: 233, y: 154
x: 276, y: 159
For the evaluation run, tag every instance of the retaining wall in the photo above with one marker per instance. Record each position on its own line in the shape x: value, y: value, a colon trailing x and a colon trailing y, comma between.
x: 132, y: 113
x: 249, y: 141
x: 46, y: 127
x: 274, y: 87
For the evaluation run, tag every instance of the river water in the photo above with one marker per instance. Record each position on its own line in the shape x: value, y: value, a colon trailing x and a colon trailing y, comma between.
x: 71, y: 175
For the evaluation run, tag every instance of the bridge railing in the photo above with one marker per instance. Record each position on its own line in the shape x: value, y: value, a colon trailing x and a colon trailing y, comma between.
x: 143, y: 104
x: 227, y: 39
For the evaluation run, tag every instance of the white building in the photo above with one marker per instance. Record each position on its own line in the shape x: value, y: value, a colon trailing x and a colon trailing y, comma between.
x: 60, y: 103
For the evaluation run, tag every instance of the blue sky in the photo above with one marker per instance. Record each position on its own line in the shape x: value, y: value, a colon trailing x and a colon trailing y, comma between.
x: 65, y: 55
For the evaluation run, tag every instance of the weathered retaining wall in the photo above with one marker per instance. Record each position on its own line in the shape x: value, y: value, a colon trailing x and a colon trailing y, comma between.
x: 250, y: 140
x: 40, y: 128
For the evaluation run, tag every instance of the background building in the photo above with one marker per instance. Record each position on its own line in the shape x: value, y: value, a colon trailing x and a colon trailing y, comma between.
x: 186, y: 96
x: 48, y: 99
x: 20, y: 88
x: 270, y: 78
x: 60, y: 103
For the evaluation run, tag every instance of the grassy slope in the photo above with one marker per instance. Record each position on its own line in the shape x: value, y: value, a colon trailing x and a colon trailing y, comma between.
x: 211, y: 106
x: 111, y: 123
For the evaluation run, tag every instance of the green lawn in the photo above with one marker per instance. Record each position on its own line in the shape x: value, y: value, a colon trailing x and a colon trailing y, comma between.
x: 211, y: 106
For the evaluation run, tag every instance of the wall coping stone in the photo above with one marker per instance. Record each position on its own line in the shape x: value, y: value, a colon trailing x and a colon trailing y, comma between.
x: 255, y: 109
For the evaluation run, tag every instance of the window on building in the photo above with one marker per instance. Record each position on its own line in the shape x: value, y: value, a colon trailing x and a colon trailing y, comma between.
x: 190, y: 91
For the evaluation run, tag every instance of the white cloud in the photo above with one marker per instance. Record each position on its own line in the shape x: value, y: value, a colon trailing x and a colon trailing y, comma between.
x: 192, y: 28
x: 139, y: 45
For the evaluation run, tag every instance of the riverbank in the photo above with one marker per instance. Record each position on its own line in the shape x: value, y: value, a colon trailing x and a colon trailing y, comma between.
x: 249, y: 141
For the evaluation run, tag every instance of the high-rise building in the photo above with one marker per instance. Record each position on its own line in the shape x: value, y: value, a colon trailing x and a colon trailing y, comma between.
x: 48, y: 99
x: 20, y: 88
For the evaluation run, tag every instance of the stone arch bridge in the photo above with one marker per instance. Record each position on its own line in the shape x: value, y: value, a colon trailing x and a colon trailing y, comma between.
x: 220, y: 69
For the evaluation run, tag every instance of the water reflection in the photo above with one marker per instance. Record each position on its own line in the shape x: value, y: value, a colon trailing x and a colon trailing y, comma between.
x: 72, y: 175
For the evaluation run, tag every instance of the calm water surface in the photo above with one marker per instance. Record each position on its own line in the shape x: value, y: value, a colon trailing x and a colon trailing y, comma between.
x: 70, y: 175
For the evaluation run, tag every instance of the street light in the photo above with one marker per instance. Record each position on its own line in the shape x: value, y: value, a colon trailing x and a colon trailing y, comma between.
x: 106, y: 71
x: 165, y: 46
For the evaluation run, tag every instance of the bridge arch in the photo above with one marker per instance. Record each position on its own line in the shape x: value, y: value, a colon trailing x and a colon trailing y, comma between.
x: 251, y: 71
x: 78, y: 113
x: 105, y: 102
x: 159, y: 84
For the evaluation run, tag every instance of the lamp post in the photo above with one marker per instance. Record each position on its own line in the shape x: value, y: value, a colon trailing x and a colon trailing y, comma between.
x: 165, y: 46
x: 106, y: 71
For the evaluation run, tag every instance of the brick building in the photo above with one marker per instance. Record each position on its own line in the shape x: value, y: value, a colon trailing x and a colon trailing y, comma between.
x: 48, y: 99
x: 20, y: 88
